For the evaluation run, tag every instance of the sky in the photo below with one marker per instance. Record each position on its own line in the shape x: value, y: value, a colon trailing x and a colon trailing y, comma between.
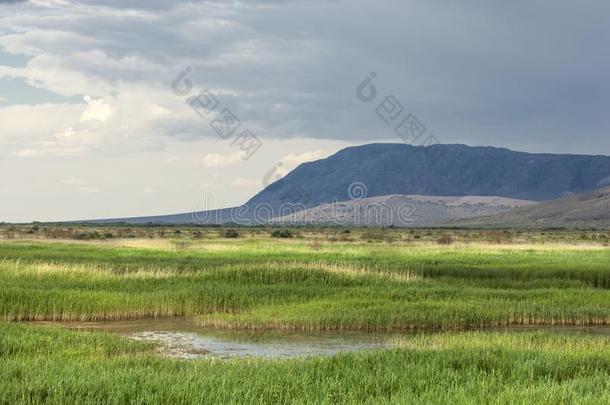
x: 126, y: 108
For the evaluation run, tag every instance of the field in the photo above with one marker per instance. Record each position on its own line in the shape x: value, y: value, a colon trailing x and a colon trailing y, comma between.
x: 455, y: 297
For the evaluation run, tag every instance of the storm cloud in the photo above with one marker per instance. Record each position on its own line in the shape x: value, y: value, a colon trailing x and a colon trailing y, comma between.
x: 528, y: 75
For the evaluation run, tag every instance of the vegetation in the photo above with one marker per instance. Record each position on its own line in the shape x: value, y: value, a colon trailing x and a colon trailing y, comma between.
x: 389, y: 234
x: 324, y: 279
x: 445, y: 239
x: 261, y: 283
x: 282, y: 233
x: 51, y: 365
x: 230, y: 233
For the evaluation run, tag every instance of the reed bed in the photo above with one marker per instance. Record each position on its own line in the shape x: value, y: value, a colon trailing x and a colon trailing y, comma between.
x: 49, y: 365
x: 258, y: 284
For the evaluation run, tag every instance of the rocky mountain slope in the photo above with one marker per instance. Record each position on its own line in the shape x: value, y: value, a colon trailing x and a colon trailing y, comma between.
x: 583, y: 211
x: 401, y: 210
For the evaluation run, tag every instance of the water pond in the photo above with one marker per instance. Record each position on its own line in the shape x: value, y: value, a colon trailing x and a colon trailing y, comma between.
x: 182, y: 338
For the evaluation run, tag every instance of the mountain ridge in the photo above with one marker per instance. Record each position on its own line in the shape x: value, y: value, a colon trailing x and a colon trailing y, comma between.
x: 441, y: 170
x: 382, y: 169
x: 581, y: 211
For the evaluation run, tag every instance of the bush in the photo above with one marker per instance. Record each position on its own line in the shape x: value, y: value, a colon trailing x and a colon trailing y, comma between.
x: 445, y: 239
x: 282, y: 233
x: 498, y: 237
x: 373, y: 235
x: 230, y: 233
x: 94, y: 235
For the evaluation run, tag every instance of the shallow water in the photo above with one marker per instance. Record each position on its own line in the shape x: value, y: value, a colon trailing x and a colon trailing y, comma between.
x: 182, y: 338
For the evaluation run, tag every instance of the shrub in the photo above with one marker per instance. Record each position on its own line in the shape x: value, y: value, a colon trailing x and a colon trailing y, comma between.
x: 230, y: 233
x: 373, y: 235
x: 88, y: 235
x: 445, y: 239
x: 499, y: 236
x: 282, y: 233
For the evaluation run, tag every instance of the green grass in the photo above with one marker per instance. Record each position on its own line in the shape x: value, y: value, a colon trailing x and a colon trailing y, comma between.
x: 263, y: 284
x: 255, y: 282
x: 41, y: 364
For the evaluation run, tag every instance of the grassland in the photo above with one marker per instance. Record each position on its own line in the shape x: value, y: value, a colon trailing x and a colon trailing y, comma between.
x: 59, y: 366
x: 260, y: 283
x: 318, y: 280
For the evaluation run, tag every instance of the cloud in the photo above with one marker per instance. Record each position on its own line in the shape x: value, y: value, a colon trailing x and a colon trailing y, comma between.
x: 479, y: 73
x: 93, y: 87
x: 89, y: 190
x: 294, y: 159
x: 213, y: 160
x: 241, y: 182
x: 83, y: 186
x: 130, y: 121
x: 74, y: 181
x: 149, y: 190
x: 97, y: 110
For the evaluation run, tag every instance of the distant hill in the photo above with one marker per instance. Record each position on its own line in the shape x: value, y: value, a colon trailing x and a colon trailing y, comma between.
x: 401, y: 210
x: 584, y: 211
x: 399, y: 169
x: 437, y: 170
x: 219, y: 216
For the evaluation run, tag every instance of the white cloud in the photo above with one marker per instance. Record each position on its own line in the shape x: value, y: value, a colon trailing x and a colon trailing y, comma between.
x: 213, y: 160
x: 97, y: 110
x: 51, y: 3
x: 295, y: 159
x: 89, y: 190
x: 83, y: 186
x: 133, y: 120
x: 245, y: 183
x: 149, y: 190
x: 74, y: 182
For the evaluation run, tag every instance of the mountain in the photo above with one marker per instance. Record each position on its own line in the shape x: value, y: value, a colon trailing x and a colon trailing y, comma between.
x: 583, y: 211
x: 437, y: 170
x: 218, y: 216
x: 384, y: 169
x: 401, y: 210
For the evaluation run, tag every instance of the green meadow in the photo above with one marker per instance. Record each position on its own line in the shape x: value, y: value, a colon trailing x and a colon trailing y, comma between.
x: 447, y: 299
x: 58, y: 366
